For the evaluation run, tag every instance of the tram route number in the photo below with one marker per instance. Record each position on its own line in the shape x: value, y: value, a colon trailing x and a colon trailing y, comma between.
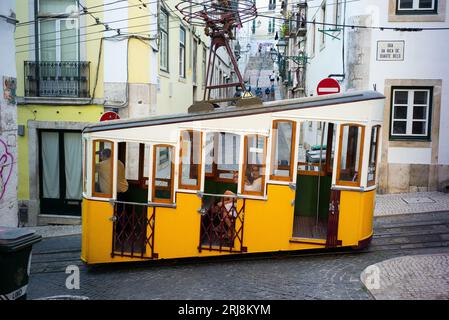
x: 225, y: 310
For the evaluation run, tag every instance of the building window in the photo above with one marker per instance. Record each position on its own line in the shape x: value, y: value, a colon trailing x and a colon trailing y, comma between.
x: 182, y: 52
x: 411, y: 113
x: 195, y: 61
x: 337, y: 11
x: 350, y: 155
x: 204, y: 66
x: 282, y: 153
x: 272, y: 5
x: 163, y: 46
x: 417, y: 7
x: 373, y: 154
x: 163, y: 169
x: 190, y: 160
x: 254, y: 165
x: 271, y: 25
x: 323, y: 20
x: 58, y: 38
x: 313, y: 40
x: 103, y: 154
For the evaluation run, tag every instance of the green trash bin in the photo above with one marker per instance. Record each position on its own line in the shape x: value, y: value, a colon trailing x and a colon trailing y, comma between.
x: 15, y: 261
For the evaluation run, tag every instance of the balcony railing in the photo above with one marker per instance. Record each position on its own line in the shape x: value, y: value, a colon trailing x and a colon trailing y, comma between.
x: 57, y: 79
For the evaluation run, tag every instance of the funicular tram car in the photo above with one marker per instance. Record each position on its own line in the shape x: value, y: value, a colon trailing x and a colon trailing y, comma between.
x: 285, y: 175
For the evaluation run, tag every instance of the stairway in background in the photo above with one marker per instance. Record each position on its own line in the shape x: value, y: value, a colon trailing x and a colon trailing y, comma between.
x: 257, y: 73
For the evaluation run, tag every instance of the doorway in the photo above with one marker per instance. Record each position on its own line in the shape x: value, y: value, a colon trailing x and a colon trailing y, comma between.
x: 60, y: 172
x: 316, y: 147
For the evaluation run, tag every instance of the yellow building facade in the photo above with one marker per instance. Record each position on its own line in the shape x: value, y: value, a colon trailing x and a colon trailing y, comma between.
x: 76, y: 61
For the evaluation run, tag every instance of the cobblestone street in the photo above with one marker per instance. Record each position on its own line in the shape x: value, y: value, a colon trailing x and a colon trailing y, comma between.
x: 280, y: 276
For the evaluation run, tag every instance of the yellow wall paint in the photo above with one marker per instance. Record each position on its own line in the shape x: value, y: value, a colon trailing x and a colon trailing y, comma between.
x: 139, y: 61
x: 89, y: 113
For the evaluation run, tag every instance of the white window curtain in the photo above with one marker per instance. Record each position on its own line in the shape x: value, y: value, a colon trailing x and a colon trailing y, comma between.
x: 50, y: 165
x: 73, y: 164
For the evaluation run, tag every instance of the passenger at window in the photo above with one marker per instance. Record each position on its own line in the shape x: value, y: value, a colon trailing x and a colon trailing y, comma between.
x: 253, y: 179
x: 105, y: 175
x: 229, y: 213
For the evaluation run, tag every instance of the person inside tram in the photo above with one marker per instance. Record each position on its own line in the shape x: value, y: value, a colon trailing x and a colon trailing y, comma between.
x: 229, y: 213
x: 105, y: 177
x: 253, y: 179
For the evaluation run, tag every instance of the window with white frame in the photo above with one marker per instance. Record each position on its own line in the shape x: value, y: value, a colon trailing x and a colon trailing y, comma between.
x: 411, y: 113
x: 182, y: 52
x: 163, y: 46
x: 417, y: 7
x: 58, y: 37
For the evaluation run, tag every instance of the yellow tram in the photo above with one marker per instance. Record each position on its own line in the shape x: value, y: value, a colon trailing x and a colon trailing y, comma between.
x: 285, y: 175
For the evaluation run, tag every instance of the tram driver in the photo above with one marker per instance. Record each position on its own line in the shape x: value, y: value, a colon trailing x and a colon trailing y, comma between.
x: 105, y: 175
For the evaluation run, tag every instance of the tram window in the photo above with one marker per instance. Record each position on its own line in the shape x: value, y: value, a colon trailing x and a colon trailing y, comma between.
x: 85, y: 166
x: 227, y: 156
x: 350, y: 158
x: 210, y: 155
x: 132, y: 161
x: 146, y: 163
x: 163, y: 168
x: 282, y: 157
x: 315, y: 148
x: 103, y: 154
x: 373, y: 152
x: 254, y: 165
x: 190, y: 160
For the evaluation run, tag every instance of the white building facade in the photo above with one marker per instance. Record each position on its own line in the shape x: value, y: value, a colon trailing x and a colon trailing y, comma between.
x: 8, y: 117
x: 409, y: 66
x: 266, y: 24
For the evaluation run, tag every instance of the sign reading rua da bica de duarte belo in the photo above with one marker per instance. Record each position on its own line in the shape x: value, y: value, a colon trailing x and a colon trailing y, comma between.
x: 390, y: 50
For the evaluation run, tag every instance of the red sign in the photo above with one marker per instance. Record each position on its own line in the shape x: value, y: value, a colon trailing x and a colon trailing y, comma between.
x: 328, y: 86
x: 110, y: 115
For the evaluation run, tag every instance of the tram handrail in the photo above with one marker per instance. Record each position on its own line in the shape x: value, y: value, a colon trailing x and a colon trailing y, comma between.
x: 201, y: 194
x: 146, y: 204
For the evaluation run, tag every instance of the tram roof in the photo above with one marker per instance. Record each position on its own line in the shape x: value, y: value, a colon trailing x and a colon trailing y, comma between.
x: 233, y: 111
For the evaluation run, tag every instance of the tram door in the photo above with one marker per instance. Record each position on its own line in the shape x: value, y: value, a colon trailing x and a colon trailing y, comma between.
x: 220, y: 185
x: 314, y: 179
x: 130, y: 211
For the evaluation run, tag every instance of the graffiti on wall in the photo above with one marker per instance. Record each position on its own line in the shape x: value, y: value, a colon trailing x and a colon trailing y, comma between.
x: 9, y: 90
x: 6, y: 166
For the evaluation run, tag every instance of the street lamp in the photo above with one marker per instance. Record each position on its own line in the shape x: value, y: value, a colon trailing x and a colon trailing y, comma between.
x: 282, y: 44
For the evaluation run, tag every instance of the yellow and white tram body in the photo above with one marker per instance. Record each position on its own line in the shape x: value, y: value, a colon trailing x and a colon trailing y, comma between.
x: 286, y: 175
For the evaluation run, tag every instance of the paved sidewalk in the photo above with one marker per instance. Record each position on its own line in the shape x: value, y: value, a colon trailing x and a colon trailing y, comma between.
x: 407, y: 203
x: 409, y: 278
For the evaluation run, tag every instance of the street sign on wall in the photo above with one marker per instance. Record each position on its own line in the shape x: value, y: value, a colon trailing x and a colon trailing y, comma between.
x: 390, y: 50
x: 328, y: 86
x: 110, y: 115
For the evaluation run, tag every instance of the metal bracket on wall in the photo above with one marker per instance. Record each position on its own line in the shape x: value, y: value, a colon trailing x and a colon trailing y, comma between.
x: 327, y: 32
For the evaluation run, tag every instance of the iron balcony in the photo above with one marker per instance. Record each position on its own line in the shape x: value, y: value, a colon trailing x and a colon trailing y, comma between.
x: 57, y: 79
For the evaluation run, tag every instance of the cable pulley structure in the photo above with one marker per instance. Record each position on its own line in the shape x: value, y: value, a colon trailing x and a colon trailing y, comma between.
x: 220, y: 18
